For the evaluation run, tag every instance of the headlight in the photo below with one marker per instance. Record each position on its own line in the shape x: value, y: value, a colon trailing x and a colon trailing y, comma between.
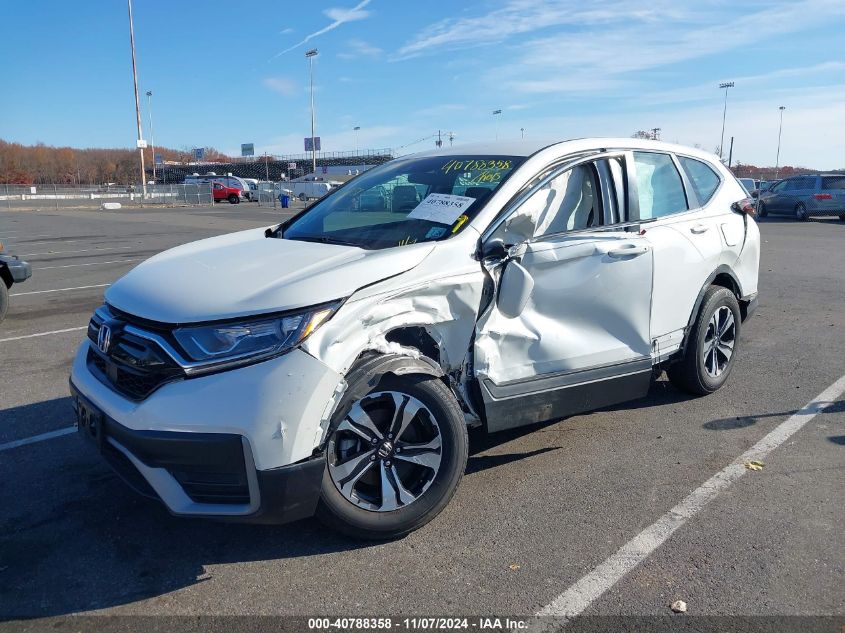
x: 250, y: 340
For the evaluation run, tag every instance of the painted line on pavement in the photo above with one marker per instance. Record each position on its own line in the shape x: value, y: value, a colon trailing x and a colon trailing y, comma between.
x: 83, y: 250
x: 40, y: 292
x: 113, y: 261
x: 589, y: 588
x: 37, y: 438
x: 23, y: 336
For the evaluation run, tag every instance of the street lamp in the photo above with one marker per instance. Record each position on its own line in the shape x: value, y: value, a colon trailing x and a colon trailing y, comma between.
x: 310, y: 55
x: 497, y: 113
x: 780, y: 129
x: 152, y: 135
x: 137, y: 103
x: 522, y: 131
x: 726, y: 85
x: 357, y: 129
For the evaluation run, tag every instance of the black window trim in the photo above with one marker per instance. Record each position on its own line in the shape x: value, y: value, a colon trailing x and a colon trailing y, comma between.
x: 553, y: 170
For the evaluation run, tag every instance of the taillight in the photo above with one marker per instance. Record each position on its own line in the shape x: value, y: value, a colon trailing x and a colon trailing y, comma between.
x: 746, y: 206
x: 823, y: 196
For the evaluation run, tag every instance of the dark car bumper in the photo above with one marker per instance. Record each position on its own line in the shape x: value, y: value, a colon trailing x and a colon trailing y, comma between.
x: 201, y: 474
x: 19, y: 270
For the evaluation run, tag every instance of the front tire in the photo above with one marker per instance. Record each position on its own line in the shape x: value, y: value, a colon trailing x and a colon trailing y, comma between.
x: 801, y: 212
x: 233, y: 199
x: 762, y: 211
x: 394, y: 457
x: 303, y: 197
x: 712, y: 345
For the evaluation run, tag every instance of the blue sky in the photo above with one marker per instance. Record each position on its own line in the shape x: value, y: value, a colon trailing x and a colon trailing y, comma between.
x: 226, y: 73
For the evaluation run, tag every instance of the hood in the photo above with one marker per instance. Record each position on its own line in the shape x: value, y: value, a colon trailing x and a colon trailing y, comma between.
x: 246, y: 273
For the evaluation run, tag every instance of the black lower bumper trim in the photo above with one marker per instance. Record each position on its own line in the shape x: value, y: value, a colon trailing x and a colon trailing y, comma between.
x: 289, y: 493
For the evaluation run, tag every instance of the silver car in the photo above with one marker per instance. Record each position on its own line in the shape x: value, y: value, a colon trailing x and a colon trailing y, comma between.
x: 805, y: 196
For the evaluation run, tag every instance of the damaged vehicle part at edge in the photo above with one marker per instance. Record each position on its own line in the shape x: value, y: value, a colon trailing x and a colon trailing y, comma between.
x: 331, y: 365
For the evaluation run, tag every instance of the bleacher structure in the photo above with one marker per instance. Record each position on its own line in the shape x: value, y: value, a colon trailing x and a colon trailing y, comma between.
x: 272, y: 168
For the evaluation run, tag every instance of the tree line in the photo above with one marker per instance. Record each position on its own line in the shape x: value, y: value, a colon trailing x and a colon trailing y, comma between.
x: 42, y: 164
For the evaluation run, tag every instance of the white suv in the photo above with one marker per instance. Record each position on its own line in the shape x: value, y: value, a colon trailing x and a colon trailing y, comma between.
x: 332, y: 364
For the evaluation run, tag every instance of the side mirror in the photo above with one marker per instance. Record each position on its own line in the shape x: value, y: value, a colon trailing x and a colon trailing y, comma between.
x: 494, y: 249
x: 515, y: 288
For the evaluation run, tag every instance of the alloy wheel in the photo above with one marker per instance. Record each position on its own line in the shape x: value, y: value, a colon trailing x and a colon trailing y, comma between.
x: 386, y: 452
x: 719, y: 341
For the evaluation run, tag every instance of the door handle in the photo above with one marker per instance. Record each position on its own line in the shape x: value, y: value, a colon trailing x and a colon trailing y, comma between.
x: 699, y: 228
x: 628, y: 251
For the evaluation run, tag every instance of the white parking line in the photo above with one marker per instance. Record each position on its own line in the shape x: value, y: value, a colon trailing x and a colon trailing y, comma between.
x: 37, y: 438
x: 40, y: 292
x: 84, y: 250
x: 114, y: 261
x: 588, y: 589
x: 23, y: 336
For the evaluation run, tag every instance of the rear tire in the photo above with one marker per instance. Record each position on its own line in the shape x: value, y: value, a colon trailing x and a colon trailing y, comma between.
x: 303, y: 197
x: 712, y: 345
x: 4, y: 300
x: 372, y: 487
x: 801, y: 212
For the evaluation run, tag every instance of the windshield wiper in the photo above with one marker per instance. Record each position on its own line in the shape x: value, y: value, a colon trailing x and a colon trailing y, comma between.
x: 324, y: 239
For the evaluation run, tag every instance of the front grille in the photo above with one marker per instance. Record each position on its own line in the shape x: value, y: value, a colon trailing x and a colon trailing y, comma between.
x: 228, y: 488
x: 133, y: 365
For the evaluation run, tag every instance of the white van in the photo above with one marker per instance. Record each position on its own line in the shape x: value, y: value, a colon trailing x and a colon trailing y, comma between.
x: 332, y: 364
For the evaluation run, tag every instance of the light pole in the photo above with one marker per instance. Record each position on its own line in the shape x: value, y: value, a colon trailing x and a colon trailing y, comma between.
x: 726, y: 85
x: 780, y: 129
x: 137, y: 104
x: 357, y: 129
x: 522, y: 131
x: 152, y: 134
x: 310, y: 55
x: 496, y: 114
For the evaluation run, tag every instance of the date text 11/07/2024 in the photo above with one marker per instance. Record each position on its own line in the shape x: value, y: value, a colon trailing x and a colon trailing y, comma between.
x: 417, y: 624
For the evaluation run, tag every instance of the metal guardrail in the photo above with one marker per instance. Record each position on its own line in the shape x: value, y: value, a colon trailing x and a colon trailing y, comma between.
x: 16, y: 197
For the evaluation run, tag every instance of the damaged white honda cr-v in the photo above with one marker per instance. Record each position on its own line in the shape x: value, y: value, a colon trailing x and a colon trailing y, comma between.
x: 332, y: 364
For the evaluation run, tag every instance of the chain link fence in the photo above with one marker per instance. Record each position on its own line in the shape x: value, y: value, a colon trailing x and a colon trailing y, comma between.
x: 22, y: 197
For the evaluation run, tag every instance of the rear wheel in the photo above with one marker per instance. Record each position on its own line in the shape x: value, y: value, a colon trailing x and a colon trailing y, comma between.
x: 303, y: 197
x: 711, y: 348
x: 801, y: 212
x: 4, y: 300
x: 394, y: 458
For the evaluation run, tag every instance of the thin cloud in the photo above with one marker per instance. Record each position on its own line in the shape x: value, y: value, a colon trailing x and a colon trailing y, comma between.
x: 338, y: 16
x: 359, y: 48
x: 281, y: 85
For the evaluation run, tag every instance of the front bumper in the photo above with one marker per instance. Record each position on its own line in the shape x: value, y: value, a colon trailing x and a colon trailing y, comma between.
x: 20, y: 271
x: 204, y: 474
x: 238, y: 445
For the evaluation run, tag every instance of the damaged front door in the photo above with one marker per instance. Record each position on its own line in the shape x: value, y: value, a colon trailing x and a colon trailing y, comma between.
x: 581, y: 339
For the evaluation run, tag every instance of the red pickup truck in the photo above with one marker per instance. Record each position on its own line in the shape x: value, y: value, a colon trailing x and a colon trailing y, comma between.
x: 222, y: 192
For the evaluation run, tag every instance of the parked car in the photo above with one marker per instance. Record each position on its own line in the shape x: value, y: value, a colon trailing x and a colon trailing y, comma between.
x: 227, y: 180
x: 12, y: 271
x: 805, y: 196
x: 221, y: 192
x: 306, y: 189
x: 332, y: 364
x: 750, y: 184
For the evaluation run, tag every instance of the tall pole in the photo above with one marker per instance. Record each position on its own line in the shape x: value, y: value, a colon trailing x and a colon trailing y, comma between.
x: 152, y: 134
x: 726, y: 85
x: 356, y: 128
x: 496, y: 114
x: 137, y: 103
x: 311, y: 54
x: 522, y: 131
x: 780, y: 129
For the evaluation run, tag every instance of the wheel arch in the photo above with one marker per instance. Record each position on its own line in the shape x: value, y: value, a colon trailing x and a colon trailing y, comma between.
x: 723, y: 276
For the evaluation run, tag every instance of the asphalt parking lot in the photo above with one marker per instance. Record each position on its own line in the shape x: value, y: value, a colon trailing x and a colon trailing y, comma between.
x: 537, y: 512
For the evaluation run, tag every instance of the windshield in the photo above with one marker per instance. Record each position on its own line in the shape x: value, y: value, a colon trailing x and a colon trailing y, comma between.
x: 405, y: 201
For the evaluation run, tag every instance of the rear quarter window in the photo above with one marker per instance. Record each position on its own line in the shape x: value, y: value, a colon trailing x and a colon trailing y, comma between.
x: 702, y: 177
x: 833, y: 182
